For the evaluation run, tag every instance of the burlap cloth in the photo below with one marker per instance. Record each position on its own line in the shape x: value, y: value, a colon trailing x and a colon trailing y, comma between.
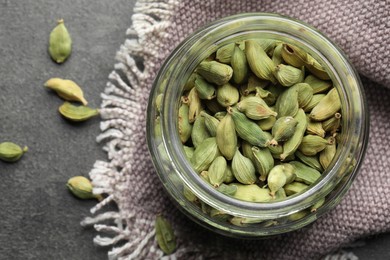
x: 362, y: 30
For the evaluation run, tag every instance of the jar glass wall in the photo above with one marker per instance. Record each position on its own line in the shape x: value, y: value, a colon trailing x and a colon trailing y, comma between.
x: 176, y: 172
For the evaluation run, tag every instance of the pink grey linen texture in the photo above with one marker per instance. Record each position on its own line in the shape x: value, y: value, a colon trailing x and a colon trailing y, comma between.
x: 360, y: 28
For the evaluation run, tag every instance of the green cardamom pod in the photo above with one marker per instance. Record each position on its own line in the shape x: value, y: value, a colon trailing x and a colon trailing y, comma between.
x: 239, y: 65
x: 327, y: 155
x: 205, y: 154
x: 243, y: 169
x: 60, y: 43
x: 287, y: 75
x: 291, y: 145
x: 205, y: 90
x: 283, y: 129
x: 276, y: 179
x: 267, y: 123
x: 188, y: 194
x: 190, y: 83
x: 318, y: 85
x: 305, y: 94
x: 215, y: 72
x: 280, y: 194
x: 246, y: 149
x: 313, y: 102
x: 210, y: 122
x: 247, y: 129
x: 311, y: 161
x: 317, y: 205
x: 66, y: 89
x: 82, y: 188
x: 224, y: 53
x: 229, y: 190
x: 217, y: 171
x: 293, y: 55
x: 184, y: 126
x: 188, y: 151
x: 10, y: 152
x: 289, y: 172
x: 165, y: 235
x: 194, y: 105
x: 220, y: 115
x: 268, y: 97
x: 266, y: 44
x: 295, y: 188
x: 327, y: 107
x: 77, y: 113
x: 305, y: 173
x: 255, y: 108
x: 332, y: 124
x: 263, y: 161
x: 229, y: 175
x: 243, y: 222
x: 259, y: 62
x: 227, y: 137
x: 251, y: 193
x: 227, y: 95
x: 277, y: 54
x: 287, y: 103
x: 199, y: 131
x: 316, y: 68
x: 312, y: 144
x: 315, y: 128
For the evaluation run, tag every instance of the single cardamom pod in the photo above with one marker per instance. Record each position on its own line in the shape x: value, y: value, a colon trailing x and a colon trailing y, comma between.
x: 224, y: 53
x: 60, y: 43
x: 77, y: 113
x: 305, y: 94
x: 227, y: 95
x: 283, y: 129
x: 327, y: 155
x: 246, y: 149
x: 287, y: 75
x: 205, y: 154
x: 259, y: 62
x: 280, y: 194
x: 305, y: 173
x: 332, y: 124
x: 217, y: 171
x: 66, y: 89
x: 188, y: 151
x: 267, y: 123
x: 312, y: 144
x: 165, y: 235
x: 255, y: 108
x: 289, y: 171
x: 243, y: 169
x: 210, y: 122
x: 287, y: 103
x: 295, y: 188
x: 277, y: 54
x: 291, y: 145
x: 267, y: 44
x: 194, y: 105
x: 315, y: 127
x: 313, y: 102
x: 227, y: 137
x: 239, y: 65
x: 215, y: 72
x: 205, y: 90
x: 318, y: 85
x: 204, y: 175
x: 251, y: 193
x: 247, y: 129
x: 199, y: 131
x: 10, y: 152
x: 81, y: 187
x: 311, y: 161
x: 229, y: 190
x: 263, y: 161
x: 276, y: 179
x: 229, y: 175
x: 293, y: 55
x: 184, y: 126
x: 316, y: 68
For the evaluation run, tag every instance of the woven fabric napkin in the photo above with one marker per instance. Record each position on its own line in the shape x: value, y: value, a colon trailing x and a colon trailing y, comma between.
x: 360, y: 28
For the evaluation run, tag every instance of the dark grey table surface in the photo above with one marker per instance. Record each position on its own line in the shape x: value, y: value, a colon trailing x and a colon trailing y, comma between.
x: 39, y: 218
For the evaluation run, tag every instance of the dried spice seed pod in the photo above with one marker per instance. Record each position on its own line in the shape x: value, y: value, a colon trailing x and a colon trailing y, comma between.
x: 224, y: 53
x: 268, y: 97
x: 165, y: 235
x: 66, y: 89
x: 267, y: 123
x: 316, y: 68
x: 239, y: 65
x: 276, y: 179
x: 318, y: 85
x: 205, y: 154
x: 199, y: 131
x: 243, y: 169
x: 251, y: 193
x: 188, y: 151
x: 194, y: 105
x: 311, y: 161
x: 205, y: 90
x: 287, y: 75
x: 283, y: 129
x: 229, y: 190
x: 190, y: 83
x: 10, y: 152
x: 295, y: 188
x: 255, y: 108
x: 312, y: 144
x: 332, y: 124
x: 327, y: 155
x: 287, y: 103
x: 217, y: 171
x: 229, y: 175
x: 305, y: 173
x: 305, y: 94
x: 314, y: 127
x: 327, y: 107
x: 263, y: 161
x: 227, y: 137
x: 259, y: 62
x: 313, y: 102
x: 227, y: 95
x: 77, y: 113
x: 60, y: 43
x: 184, y: 126
x: 210, y: 122
x: 82, y: 188
x: 215, y: 72
x: 277, y: 54
x: 293, y: 55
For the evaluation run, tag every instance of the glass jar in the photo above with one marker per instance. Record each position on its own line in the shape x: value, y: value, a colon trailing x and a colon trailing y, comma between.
x: 176, y: 173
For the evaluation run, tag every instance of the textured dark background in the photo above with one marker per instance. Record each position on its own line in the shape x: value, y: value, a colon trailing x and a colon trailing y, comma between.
x: 39, y: 219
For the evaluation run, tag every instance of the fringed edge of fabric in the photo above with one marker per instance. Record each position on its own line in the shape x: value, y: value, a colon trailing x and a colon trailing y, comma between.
x: 119, y: 102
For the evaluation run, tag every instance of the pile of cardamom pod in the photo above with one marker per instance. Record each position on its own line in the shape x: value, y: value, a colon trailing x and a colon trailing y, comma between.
x: 259, y: 120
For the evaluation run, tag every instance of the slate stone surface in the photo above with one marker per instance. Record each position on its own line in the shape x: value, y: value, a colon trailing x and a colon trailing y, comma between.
x: 39, y: 219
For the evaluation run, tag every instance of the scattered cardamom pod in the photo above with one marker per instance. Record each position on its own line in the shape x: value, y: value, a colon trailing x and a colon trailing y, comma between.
x: 77, y: 113
x: 165, y: 235
x: 10, y: 152
x: 60, y: 43
x: 81, y: 187
x: 66, y: 89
